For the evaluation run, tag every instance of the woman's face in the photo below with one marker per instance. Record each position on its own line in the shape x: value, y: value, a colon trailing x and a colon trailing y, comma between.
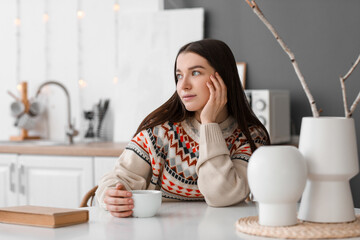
x: 192, y: 72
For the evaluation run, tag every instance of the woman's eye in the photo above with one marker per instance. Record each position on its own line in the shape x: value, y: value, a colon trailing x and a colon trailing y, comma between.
x: 196, y: 73
x: 178, y: 76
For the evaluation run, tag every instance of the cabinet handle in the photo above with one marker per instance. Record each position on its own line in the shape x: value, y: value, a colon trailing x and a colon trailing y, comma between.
x: 12, y: 171
x: 21, y: 176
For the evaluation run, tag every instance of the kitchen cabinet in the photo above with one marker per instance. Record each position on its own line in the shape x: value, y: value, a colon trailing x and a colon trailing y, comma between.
x: 50, y: 175
x: 46, y: 180
x: 8, y: 180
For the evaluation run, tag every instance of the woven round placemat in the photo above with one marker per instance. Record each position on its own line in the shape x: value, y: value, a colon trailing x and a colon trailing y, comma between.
x: 304, y: 230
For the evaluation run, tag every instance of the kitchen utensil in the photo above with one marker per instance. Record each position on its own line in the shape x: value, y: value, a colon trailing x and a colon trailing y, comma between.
x: 89, y: 115
x: 26, y: 121
x: 13, y: 95
x: 102, y: 109
x: 35, y: 108
x: 17, y: 108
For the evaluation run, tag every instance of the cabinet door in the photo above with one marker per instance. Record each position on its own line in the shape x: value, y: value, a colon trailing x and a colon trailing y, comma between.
x: 58, y: 181
x: 103, y: 165
x: 8, y: 180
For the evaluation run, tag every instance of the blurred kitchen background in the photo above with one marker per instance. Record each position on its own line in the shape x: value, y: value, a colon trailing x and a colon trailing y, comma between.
x: 124, y: 51
x: 121, y: 51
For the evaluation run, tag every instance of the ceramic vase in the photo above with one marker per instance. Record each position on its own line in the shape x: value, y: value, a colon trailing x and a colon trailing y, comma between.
x: 329, y: 147
x: 277, y: 177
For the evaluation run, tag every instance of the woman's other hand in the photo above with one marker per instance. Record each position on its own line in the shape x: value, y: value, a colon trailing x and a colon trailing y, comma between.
x: 214, y: 108
x: 118, y: 201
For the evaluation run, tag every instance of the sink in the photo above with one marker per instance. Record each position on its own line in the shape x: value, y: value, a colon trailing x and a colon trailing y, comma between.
x: 41, y: 142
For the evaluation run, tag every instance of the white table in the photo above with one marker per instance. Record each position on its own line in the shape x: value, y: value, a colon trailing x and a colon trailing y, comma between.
x: 180, y: 220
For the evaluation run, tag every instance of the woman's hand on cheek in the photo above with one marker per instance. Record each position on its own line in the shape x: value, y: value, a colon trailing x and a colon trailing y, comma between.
x: 217, y: 99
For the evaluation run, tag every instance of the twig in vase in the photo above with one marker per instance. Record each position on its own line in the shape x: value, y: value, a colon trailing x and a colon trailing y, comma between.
x: 355, y: 103
x: 261, y: 16
x: 348, y: 113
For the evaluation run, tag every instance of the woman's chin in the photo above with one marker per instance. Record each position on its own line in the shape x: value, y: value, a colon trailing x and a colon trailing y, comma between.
x: 191, y: 109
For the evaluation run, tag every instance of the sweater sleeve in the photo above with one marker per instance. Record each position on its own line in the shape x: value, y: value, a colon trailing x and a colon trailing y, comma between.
x: 132, y: 169
x: 222, y: 180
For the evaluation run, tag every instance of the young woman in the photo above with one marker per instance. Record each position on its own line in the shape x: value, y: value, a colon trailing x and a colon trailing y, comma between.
x: 196, y: 145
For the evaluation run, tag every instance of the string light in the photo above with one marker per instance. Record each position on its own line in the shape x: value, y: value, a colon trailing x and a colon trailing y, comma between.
x: 17, y: 22
x: 116, y: 39
x: 46, y: 17
x: 80, y: 16
x: 18, y: 45
x: 82, y: 83
x: 116, y: 7
x: 47, y: 39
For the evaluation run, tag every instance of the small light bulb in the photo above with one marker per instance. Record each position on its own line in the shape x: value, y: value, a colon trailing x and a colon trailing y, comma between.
x: 116, y: 7
x: 46, y: 17
x: 17, y: 21
x: 80, y: 14
x: 82, y: 83
x: 18, y: 87
x: 115, y: 80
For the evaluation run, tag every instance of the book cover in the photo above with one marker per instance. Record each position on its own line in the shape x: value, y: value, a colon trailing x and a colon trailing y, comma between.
x: 43, y: 216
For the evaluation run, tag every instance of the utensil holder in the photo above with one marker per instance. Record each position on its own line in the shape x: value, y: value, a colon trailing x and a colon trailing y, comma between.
x: 24, y: 135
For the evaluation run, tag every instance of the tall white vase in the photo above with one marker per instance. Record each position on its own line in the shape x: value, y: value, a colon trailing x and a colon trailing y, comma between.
x: 330, y: 150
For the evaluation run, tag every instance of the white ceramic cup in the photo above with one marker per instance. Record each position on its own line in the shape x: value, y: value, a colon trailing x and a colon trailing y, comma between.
x: 17, y: 108
x: 35, y: 108
x: 146, y: 202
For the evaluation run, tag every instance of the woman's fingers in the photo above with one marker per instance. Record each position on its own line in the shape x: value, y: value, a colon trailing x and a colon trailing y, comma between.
x: 121, y: 214
x: 220, y: 89
x: 223, y: 86
x: 119, y: 208
x: 211, y: 89
x: 118, y: 201
x: 118, y: 191
x: 217, y: 86
x: 112, y: 192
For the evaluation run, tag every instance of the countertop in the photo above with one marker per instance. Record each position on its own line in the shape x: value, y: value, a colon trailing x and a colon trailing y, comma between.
x: 106, y: 149
x: 175, y: 220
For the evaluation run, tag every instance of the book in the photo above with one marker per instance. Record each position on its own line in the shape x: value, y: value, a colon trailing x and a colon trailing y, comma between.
x: 43, y: 216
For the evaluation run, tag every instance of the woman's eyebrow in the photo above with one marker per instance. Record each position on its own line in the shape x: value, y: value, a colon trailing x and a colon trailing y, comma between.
x: 196, y: 66
x: 191, y: 68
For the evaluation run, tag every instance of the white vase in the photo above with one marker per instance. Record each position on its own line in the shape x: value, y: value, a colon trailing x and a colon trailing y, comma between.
x: 277, y: 177
x: 329, y: 147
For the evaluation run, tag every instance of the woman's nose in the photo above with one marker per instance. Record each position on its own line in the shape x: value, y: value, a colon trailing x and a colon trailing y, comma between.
x: 185, y: 83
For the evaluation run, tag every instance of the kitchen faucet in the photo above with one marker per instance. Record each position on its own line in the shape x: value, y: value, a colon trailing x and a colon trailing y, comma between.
x: 70, y: 131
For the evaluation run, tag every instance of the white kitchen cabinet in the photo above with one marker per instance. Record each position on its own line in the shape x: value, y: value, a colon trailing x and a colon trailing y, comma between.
x: 8, y: 180
x: 103, y: 165
x: 58, y: 181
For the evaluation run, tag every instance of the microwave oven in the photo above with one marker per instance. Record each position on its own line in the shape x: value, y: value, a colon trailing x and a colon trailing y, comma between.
x: 272, y: 107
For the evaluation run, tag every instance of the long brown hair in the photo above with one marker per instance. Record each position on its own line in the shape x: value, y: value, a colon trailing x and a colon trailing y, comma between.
x: 220, y: 57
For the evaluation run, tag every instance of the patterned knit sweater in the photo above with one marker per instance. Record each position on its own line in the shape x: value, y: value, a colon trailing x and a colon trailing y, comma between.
x: 187, y: 161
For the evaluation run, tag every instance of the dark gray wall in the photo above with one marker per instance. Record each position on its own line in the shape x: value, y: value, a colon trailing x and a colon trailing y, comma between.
x: 324, y: 35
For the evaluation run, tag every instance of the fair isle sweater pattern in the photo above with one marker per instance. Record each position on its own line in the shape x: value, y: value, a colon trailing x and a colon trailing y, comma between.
x: 172, y: 154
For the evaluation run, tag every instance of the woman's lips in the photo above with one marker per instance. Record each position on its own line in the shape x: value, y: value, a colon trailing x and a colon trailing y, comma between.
x: 188, y: 97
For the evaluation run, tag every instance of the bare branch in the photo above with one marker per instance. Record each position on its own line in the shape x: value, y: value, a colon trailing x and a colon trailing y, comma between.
x: 353, y: 106
x: 342, y: 83
x: 261, y: 16
x: 352, y: 68
x: 250, y: 4
x: 348, y: 113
